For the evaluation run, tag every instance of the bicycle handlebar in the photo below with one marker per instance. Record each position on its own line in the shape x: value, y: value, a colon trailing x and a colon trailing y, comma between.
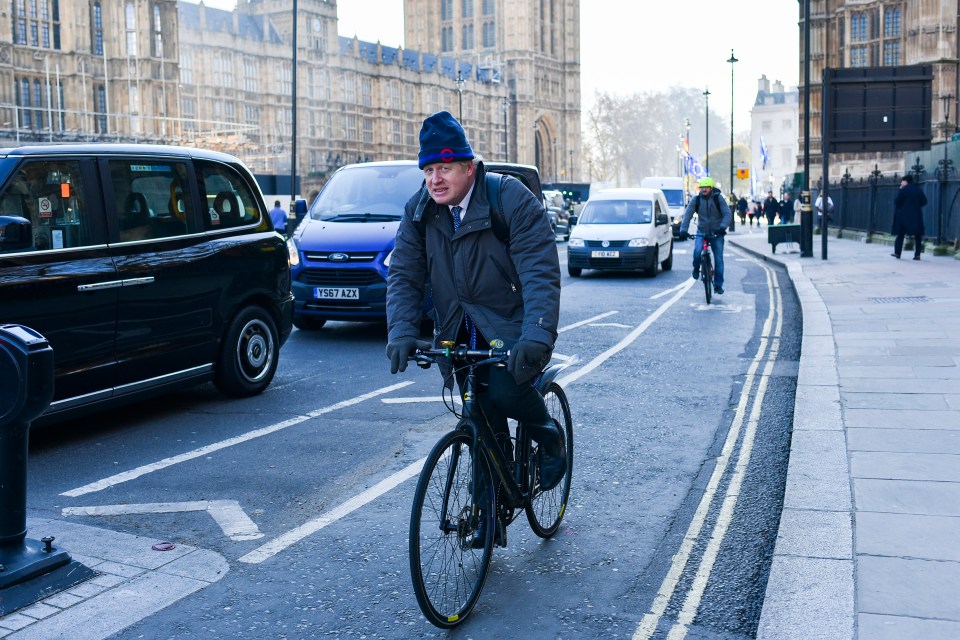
x: 460, y: 353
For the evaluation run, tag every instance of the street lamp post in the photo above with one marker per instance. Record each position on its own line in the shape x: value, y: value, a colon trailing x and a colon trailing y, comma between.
x: 293, y: 115
x: 506, y: 145
x: 460, y: 82
x: 706, y: 160
x: 536, y: 147
x: 731, y: 61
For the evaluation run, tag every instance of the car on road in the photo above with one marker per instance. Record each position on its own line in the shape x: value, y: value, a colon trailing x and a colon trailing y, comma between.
x: 622, y: 230
x: 147, y: 268
x: 345, y: 240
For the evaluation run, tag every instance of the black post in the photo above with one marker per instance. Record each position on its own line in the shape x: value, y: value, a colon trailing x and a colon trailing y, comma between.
x: 806, y: 211
x: 293, y: 114
x: 733, y: 224
x: 506, y: 141
x: 874, y: 179
x: 825, y: 156
x: 706, y: 99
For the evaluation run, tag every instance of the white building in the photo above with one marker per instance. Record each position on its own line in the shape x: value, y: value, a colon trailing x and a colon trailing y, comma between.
x: 774, y: 122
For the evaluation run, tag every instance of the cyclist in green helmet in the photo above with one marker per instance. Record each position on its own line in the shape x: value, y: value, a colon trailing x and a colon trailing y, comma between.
x: 713, y: 218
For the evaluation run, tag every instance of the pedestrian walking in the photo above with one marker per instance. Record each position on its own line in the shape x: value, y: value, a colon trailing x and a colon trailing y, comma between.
x: 279, y: 218
x: 908, y: 216
x: 753, y: 211
x: 742, y: 207
x: 818, y: 205
x: 770, y: 207
x: 786, y: 209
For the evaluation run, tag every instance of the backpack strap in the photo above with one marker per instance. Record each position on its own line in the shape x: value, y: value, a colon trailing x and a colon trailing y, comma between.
x: 498, y: 221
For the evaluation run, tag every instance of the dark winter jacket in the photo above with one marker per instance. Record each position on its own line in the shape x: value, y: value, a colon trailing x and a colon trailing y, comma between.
x: 908, y: 216
x: 770, y: 207
x: 710, y: 219
x: 511, y: 291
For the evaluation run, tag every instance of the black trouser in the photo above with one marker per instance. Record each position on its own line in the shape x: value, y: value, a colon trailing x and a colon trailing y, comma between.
x: 501, y: 398
x: 917, y: 244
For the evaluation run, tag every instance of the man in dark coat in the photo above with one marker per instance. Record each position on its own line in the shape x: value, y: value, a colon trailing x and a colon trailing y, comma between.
x: 786, y: 209
x: 742, y: 207
x: 484, y: 289
x: 770, y: 207
x: 908, y: 216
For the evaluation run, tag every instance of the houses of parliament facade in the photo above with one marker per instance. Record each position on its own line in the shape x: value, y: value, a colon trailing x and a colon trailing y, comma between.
x: 169, y: 72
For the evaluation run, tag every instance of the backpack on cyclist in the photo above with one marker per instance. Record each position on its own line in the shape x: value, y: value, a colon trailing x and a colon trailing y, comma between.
x: 716, y: 201
x: 498, y: 221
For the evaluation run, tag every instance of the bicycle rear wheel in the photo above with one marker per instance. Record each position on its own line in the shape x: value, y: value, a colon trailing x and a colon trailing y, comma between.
x: 447, y: 572
x: 546, y: 508
x: 706, y: 269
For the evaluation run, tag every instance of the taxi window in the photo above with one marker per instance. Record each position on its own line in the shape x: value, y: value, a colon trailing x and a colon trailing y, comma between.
x: 149, y: 197
x: 50, y: 194
x: 228, y: 200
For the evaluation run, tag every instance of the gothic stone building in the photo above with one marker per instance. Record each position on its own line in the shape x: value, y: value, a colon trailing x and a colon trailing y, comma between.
x: 873, y: 33
x: 181, y: 73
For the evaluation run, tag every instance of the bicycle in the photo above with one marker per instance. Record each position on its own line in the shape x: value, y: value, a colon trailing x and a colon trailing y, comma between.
x: 455, y: 499
x: 706, y: 267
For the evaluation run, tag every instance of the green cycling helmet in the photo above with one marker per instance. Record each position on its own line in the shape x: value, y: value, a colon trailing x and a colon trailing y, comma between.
x: 705, y: 182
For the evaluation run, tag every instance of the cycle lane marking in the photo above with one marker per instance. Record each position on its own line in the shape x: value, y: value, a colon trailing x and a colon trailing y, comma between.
x: 651, y: 620
x: 283, y: 541
x: 143, y: 470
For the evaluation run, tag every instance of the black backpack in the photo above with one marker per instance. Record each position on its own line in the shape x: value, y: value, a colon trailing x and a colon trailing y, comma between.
x: 716, y: 198
x: 497, y: 220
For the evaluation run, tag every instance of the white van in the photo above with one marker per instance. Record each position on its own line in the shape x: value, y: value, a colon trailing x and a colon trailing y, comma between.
x: 622, y: 230
x: 675, y: 193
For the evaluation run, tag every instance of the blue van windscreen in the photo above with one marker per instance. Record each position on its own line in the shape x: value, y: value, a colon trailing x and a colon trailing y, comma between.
x: 367, y: 193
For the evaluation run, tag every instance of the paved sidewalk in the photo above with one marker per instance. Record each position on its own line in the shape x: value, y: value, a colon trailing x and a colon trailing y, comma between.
x: 869, y: 540
x: 133, y: 582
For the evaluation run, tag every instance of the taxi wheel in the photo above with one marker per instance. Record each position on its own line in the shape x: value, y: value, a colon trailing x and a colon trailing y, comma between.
x: 248, y: 354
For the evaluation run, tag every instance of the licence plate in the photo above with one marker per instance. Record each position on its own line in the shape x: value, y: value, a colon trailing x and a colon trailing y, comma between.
x: 336, y: 293
x: 604, y: 254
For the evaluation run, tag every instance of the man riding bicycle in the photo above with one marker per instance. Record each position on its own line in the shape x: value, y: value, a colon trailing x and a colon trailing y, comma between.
x: 713, y: 218
x: 484, y: 288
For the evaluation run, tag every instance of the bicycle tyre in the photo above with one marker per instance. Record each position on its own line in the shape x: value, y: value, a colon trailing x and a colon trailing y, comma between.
x: 545, y: 509
x: 706, y: 269
x: 447, y: 573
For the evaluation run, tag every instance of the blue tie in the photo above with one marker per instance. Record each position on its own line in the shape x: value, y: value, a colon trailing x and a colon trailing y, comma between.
x: 471, y: 328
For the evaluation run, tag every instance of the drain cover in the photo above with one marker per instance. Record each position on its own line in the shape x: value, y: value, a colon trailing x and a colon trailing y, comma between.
x: 901, y: 299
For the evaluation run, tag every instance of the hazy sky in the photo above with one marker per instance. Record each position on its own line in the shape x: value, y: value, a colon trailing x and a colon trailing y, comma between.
x: 626, y: 46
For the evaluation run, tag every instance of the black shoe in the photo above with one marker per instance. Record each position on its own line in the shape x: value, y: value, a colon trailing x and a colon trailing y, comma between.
x: 480, y: 536
x: 916, y: 257
x: 696, y: 274
x: 717, y: 289
x: 896, y: 255
x: 553, y: 461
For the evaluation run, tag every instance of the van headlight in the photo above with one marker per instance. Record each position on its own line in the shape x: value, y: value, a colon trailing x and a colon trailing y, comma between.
x: 292, y: 252
x: 575, y: 242
x: 639, y: 242
x: 386, y: 261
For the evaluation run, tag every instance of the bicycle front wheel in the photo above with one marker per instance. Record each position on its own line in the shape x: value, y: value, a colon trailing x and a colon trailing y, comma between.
x: 545, y: 509
x: 447, y: 571
x: 706, y: 269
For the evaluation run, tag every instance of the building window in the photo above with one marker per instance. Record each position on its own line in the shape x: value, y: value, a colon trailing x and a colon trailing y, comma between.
x: 38, y: 102
x: 397, y: 133
x: 186, y: 66
x: 489, y: 7
x: 157, y: 33
x: 23, y: 101
x: 366, y: 92
x: 368, y: 130
x: 466, y: 6
x: 351, y: 125
x: 767, y: 126
x: 100, y: 108
x: 393, y: 95
x: 467, y: 40
x: 446, y: 9
x: 446, y: 34
x: 858, y: 27
x: 891, y: 54
x: 891, y: 22
x: 858, y: 57
x: 250, y: 79
x: 349, y: 91
x: 489, y: 34
x: 410, y: 136
x: 787, y: 125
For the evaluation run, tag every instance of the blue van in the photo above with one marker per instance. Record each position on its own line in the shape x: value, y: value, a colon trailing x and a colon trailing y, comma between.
x: 345, y: 240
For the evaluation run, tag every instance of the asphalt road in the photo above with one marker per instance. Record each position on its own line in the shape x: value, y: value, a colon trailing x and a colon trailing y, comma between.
x: 681, y: 414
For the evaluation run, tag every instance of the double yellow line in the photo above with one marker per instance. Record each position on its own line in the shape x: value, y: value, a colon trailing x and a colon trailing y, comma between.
x: 766, y: 355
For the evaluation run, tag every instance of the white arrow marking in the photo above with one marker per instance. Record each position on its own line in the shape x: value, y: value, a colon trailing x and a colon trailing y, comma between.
x: 227, y: 513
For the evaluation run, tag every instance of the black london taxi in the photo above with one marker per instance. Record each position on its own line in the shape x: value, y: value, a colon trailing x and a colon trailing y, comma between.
x: 148, y: 268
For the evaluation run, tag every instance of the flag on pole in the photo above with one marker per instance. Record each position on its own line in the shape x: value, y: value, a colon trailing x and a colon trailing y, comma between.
x: 764, y: 156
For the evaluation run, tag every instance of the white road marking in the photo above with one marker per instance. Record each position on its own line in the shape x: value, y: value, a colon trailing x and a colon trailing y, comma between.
x: 132, y: 474
x: 650, y: 621
x: 587, y: 321
x: 668, y: 291
x: 280, y: 543
x: 227, y: 513
x: 418, y: 399
x: 610, y: 324
x: 630, y: 337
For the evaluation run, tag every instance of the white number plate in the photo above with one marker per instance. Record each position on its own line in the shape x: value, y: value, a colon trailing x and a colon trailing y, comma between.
x: 604, y: 254
x: 336, y: 293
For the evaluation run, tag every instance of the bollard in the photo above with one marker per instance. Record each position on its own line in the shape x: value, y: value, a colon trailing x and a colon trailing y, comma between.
x: 27, y: 567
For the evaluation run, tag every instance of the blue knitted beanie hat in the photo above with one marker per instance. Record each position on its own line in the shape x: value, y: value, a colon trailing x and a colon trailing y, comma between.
x: 442, y: 139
